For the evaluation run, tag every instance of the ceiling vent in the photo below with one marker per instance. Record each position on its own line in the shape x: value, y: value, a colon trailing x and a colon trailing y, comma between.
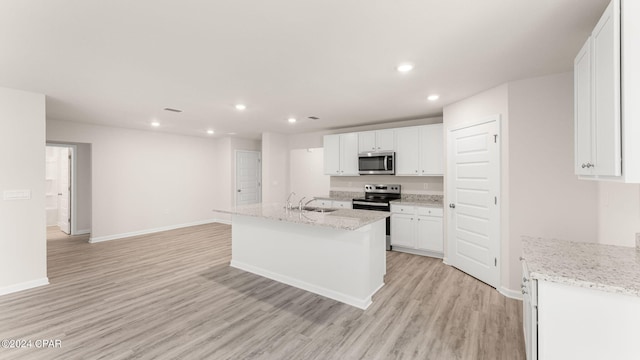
x: 173, y: 110
x: 314, y: 118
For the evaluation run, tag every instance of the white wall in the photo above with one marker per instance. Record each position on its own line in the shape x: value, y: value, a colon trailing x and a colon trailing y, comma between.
x: 414, y: 185
x: 275, y: 167
x: 618, y: 213
x: 145, y: 180
x: 540, y: 194
x: 23, y: 247
x: 306, y: 175
x: 480, y: 106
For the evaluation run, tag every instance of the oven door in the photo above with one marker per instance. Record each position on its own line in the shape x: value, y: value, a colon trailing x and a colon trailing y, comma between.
x: 376, y: 163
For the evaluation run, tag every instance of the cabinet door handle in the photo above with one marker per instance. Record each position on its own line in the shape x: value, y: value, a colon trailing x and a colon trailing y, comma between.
x: 452, y: 205
x: 584, y: 166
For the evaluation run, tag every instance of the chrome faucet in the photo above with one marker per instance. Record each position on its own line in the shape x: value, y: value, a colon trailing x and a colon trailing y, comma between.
x: 289, y: 205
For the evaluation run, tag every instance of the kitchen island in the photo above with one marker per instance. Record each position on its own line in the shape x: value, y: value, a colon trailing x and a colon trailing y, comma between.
x: 337, y: 254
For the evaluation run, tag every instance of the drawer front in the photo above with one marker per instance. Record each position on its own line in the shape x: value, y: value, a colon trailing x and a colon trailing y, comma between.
x: 342, y: 204
x: 403, y: 209
x: 429, y: 211
x: 322, y: 203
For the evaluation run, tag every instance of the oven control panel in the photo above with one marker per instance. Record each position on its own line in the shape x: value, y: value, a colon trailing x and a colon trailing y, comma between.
x: 383, y: 188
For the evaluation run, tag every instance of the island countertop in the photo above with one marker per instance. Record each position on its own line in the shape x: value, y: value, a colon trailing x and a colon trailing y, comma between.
x: 342, y: 219
x: 602, y: 267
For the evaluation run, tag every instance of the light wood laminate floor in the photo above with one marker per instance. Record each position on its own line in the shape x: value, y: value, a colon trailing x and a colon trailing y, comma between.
x: 172, y: 295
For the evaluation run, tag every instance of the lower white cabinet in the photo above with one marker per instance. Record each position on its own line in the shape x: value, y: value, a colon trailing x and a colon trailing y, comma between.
x: 417, y: 230
x: 341, y: 204
x: 327, y: 204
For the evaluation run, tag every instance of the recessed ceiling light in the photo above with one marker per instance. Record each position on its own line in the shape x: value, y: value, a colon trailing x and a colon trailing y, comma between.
x: 155, y: 124
x: 232, y: 133
x: 210, y: 132
x: 403, y: 68
x: 292, y: 120
x: 240, y: 107
x: 433, y: 97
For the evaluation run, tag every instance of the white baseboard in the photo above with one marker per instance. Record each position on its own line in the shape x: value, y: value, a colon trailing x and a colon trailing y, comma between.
x: 149, y: 231
x: 513, y: 294
x: 331, y: 294
x: 82, y: 232
x: 432, y: 254
x: 24, y: 286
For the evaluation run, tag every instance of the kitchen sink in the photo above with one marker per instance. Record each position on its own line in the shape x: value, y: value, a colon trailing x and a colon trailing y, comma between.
x: 317, y: 209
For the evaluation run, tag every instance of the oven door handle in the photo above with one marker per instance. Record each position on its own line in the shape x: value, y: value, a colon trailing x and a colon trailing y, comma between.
x: 385, y: 163
x: 369, y: 203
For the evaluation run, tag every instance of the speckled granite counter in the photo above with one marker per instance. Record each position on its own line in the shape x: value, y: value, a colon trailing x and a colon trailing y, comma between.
x: 602, y: 267
x: 341, y: 196
x: 425, y: 203
x: 343, y: 219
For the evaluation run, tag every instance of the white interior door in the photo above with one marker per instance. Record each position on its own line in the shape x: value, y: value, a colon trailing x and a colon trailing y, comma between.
x: 248, y: 177
x: 473, y: 185
x: 64, y: 190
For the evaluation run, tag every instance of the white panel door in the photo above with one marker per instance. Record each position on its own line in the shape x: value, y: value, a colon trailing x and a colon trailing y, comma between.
x: 582, y: 110
x: 331, y: 154
x: 430, y: 233
x: 349, y: 154
x: 64, y: 190
x: 407, y: 151
x: 248, y: 177
x: 367, y: 141
x: 605, y: 47
x: 385, y: 140
x: 473, y: 183
x: 431, y: 150
x: 403, y: 231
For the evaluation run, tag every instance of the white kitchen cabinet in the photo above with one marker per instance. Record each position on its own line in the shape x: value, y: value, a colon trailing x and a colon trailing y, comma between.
x: 341, y: 154
x: 431, y: 150
x: 419, y: 151
x: 341, y: 204
x: 417, y: 230
x: 606, y: 126
x: 379, y: 140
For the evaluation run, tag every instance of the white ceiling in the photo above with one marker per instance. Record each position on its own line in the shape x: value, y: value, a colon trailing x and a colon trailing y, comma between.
x: 121, y: 62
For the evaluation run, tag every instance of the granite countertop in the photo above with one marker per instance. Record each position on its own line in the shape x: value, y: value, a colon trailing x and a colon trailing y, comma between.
x: 602, y: 267
x: 341, y: 196
x: 416, y: 202
x: 342, y: 219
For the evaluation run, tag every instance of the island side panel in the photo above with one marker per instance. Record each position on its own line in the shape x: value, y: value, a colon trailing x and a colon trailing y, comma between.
x: 339, y: 264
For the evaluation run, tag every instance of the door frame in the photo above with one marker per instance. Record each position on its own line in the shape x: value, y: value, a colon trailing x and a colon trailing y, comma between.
x: 72, y: 179
x: 235, y: 174
x: 497, y: 118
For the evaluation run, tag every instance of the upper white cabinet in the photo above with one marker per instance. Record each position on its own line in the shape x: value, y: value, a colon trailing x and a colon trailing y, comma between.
x: 607, y: 127
x: 341, y: 154
x: 419, y: 150
x: 379, y: 140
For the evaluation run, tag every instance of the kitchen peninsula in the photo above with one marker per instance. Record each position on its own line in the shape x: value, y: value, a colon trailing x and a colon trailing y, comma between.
x: 339, y: 253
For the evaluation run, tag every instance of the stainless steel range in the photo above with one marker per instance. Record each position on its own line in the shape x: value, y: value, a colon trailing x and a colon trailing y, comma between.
x: 378, y: 198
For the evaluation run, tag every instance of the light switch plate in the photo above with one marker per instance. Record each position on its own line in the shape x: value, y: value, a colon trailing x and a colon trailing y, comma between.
x: 16, y: 195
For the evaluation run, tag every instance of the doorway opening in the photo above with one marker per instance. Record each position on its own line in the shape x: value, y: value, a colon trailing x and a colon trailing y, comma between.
x: 68, y: 189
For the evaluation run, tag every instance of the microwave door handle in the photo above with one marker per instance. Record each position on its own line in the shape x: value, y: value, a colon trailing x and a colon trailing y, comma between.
x: 385, y: 163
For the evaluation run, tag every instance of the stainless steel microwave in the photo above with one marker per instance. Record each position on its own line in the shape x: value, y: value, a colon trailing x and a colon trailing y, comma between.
x: 376, y: 163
